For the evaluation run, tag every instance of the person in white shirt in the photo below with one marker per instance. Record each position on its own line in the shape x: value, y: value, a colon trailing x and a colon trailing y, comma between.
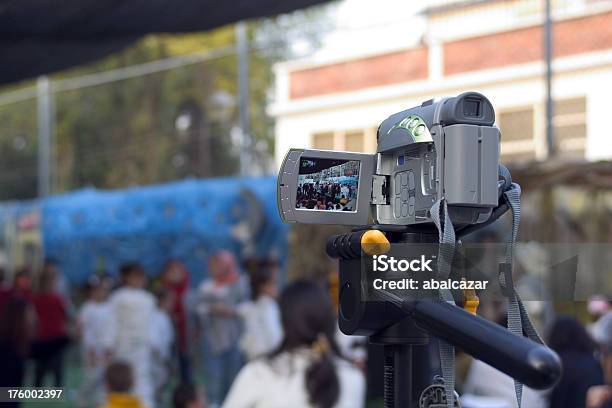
x: 497, y: 389
x: 132, y: 308
x: 262, y: 327
x: 344, y: 190
x: 96, y: 331
x: 162, y: 339
x: 306, y: 371
x: 218, y: 298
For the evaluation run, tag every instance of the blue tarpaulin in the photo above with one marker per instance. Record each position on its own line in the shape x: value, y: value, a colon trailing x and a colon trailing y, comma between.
x: 89, y: 231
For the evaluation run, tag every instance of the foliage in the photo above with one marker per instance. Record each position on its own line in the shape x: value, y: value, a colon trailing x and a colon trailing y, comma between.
x: 126, y: 132
x: 18, y: 173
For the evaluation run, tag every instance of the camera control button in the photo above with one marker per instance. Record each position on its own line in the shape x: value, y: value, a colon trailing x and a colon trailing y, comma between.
x: 398, y: 183
x: 410, y: 180
x: 404, y: 194
x: 404, y: 178
x: 397, y: 208
x: 404, y: 209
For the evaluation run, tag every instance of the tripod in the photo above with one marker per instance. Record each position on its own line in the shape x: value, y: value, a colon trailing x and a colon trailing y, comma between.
x: 405, y: 328
x: 406, y: 353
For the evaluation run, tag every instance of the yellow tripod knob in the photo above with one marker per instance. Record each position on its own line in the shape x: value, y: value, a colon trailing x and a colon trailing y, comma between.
x: 374, y: 242
x: 471, y: 302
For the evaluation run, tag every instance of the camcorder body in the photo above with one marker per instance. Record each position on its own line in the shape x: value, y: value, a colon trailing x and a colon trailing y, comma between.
x: 441, y: 149
x: 445, y: 149
x: 443, y: 154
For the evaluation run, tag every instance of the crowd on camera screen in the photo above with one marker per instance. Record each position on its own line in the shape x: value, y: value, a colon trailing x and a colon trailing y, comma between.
x: 326, y: 196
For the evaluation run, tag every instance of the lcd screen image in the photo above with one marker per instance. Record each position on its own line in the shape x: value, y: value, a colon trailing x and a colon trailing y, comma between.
x: 327, y: 185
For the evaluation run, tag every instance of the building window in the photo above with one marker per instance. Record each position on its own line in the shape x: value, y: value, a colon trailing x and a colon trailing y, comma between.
x: 569, y: 126
x: 323, y: 141
x: 353, y: 141
x: 516, y: 124
x: 517, y: 134
x: 356, y: 140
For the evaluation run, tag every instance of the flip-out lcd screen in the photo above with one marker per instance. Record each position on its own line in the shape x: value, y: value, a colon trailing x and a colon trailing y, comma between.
x: 327, y: 184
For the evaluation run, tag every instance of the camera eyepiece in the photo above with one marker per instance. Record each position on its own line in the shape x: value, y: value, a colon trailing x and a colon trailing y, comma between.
x: 470, y: 108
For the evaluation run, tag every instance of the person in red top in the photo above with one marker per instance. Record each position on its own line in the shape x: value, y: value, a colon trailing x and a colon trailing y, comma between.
x: 21, y: 288
x: 175, y: 279
x: 51, y: 332
x: 5, y: 290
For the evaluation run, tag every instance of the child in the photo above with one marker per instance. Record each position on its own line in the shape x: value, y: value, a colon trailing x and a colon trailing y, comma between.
x: 262, y: 327
x: 132, y: 308
x: 95, y: 328
x: 162, y: 337
x: 119, y: 382
x: 187, y: 396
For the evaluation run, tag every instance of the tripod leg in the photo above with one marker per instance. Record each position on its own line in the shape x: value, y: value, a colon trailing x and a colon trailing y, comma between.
x: 398, y: 374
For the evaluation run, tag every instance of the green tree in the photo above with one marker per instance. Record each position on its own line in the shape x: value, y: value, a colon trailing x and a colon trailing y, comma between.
x: 156, y: 127
x: 18, y: 151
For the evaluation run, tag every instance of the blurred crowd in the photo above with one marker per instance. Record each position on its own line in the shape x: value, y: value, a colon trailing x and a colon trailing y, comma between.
x: 233, y: 341
x: 153, y: 342
x: 586, y: 356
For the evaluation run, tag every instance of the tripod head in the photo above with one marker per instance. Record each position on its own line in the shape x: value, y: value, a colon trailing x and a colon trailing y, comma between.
x: 392, y: 321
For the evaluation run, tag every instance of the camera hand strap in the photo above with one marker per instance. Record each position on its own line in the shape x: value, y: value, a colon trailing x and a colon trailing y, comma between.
x: 446, y: 251
x: 518, y: 319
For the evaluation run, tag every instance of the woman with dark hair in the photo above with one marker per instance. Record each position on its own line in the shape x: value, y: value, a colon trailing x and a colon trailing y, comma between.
x: 16, y: 328
x: 306, y: 370
x: 581, y: 369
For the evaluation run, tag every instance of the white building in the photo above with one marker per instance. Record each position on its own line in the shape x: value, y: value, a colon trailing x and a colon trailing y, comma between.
x: 335, y: 100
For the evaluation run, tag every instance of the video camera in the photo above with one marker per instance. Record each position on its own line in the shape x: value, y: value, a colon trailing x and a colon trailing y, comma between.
x: 440, y: 156
x: 441, y: 149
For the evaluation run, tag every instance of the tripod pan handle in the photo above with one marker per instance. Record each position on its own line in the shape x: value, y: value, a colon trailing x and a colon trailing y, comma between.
x: 527, y: 361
